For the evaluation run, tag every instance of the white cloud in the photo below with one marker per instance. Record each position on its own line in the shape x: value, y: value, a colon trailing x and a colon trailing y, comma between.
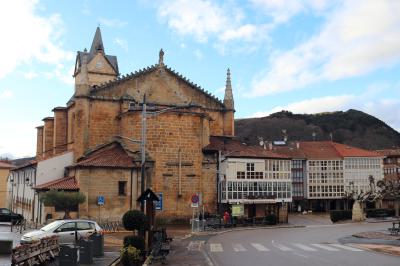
x: 30, y: 75
x: 283, y: 10
x: 18, y: 139
x: 113, y: 23
x: 6, y: 94
x: 370, y: 101
x: 314, y: 105
x: 28, y: 36
x: 121, y: 43
x: 204, y: 19
x: 357, y: 38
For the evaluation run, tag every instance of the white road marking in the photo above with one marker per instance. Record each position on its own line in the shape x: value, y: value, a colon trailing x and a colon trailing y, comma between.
x: 259, y: 247
x: 326, y: 247
x: 304, y: 247
x: 346, y: 247
x: 282, y: 247
x: 216, y: 247
x: 238, y: 247
x: 195, y: 245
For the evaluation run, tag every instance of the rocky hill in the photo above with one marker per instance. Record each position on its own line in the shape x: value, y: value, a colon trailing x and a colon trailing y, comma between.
x: 351, y: 127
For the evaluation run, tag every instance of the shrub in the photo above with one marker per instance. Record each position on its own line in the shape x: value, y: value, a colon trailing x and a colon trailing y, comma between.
x: 376, y: 213
x: 135, y: 220
x: 340, y: 215
x: 130, y: 256
x: 271, y: 219
x: 134, y: 241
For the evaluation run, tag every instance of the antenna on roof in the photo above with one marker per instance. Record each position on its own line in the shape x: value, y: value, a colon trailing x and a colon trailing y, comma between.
x: 284, y: 135
x: 262, y: 142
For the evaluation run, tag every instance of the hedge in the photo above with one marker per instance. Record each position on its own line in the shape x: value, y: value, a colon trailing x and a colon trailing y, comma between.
x: 134, y: 241
x: 271, y: 219
x: 376, y: 213
x: 340, y: 215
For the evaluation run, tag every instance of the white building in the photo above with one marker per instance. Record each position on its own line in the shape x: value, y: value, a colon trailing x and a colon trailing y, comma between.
x: 257, y: 178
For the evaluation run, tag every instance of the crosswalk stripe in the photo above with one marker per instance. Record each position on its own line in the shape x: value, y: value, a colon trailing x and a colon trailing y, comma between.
x: 346, y: 247
x: 259, y: 247
x: 282, y: 247
x: 326, y: 247
x: 238, y: 247
x: 216, y: 247
x: 304, y: 247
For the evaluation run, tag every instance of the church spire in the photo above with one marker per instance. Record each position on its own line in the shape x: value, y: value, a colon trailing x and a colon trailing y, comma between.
x: 97, y: 43
x: 228, y: 98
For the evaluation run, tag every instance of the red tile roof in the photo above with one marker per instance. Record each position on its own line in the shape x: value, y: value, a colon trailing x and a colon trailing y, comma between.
x: 390, y: 152
x: 65, y: 183
x: 27, y: 164
x: 6, y: 165
x: 322, y: 150
x: 231, y: 147
x: 348, y: 151
x: 109, y: 155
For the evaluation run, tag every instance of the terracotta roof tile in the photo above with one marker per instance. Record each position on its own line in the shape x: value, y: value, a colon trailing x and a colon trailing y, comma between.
x: 322, y: 150
x: 6, y: 165
x: 390, y: 152
x: 231, y: 147
x: 109, y: 155
x: 348, y: 151
x: 65, y: 183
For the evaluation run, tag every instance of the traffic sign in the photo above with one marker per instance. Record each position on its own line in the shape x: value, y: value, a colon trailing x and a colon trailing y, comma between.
x: 159, y: 204
x: 195, y: 201
x: 100, y: 200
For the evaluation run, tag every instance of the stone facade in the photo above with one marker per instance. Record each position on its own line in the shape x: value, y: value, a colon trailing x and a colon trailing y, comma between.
x: 106, y: 106
x: 4, y: 172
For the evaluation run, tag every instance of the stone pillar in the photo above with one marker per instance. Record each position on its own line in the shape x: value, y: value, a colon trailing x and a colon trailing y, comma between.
x: 357, y: 215
x: 48, y: 134
x: 60, y: 130
x: 39, y: 143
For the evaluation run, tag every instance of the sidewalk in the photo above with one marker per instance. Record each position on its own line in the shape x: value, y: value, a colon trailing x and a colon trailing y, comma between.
x: 378, y: 241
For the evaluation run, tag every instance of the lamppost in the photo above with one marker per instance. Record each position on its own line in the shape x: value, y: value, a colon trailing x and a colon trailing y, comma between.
x: 12, y: 191
x: 142, y: 142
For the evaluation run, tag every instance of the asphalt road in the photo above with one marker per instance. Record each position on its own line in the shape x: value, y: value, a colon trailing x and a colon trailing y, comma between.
x: 314, y: 245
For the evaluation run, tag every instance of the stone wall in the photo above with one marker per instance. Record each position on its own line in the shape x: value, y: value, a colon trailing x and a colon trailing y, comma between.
x: 94, y: 182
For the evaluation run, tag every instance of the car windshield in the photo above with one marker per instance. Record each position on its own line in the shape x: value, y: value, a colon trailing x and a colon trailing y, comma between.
x: 51, y: 226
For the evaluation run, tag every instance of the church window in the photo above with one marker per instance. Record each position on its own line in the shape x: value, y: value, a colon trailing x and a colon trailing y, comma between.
x: 121, y: 188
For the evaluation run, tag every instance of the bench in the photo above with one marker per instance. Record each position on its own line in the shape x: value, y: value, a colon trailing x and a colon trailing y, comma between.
x: 395, y: 230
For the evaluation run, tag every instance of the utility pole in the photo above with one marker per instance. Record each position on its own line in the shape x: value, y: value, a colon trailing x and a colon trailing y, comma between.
x: 143, y: 150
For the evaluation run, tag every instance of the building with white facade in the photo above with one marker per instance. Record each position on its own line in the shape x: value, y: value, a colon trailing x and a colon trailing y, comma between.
x: 257, y: 178
x: 331, y: 169
x: 26, y: 181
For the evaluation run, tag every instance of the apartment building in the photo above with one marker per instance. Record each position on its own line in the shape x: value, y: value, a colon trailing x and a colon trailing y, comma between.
x: 251, y: 176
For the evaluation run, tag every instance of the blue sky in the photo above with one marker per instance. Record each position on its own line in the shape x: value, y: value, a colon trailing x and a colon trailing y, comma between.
x: 306, y: 56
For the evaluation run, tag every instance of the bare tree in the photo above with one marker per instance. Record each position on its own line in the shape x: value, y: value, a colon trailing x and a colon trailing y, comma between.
x: 390, y: 190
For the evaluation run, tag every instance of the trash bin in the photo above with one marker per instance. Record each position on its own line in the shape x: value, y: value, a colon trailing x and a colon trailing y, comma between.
x: 85, y: 251
x: 69, y: 255
x: 98, y: 244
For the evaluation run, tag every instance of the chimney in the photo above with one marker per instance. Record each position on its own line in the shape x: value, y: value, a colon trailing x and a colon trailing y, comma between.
x: 60, y: 130
x: 48, y: 133
x: 298, y: 145
x: 270, y: 146
x: 39, y: 143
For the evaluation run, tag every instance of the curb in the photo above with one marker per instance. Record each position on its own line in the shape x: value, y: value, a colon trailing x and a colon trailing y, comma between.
x: 240, y: 229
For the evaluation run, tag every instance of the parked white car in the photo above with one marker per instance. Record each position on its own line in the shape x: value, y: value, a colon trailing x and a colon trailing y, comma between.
x: 65, y: 229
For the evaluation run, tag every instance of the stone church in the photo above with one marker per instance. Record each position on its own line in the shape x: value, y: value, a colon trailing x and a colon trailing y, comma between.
x: 101, y: 125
